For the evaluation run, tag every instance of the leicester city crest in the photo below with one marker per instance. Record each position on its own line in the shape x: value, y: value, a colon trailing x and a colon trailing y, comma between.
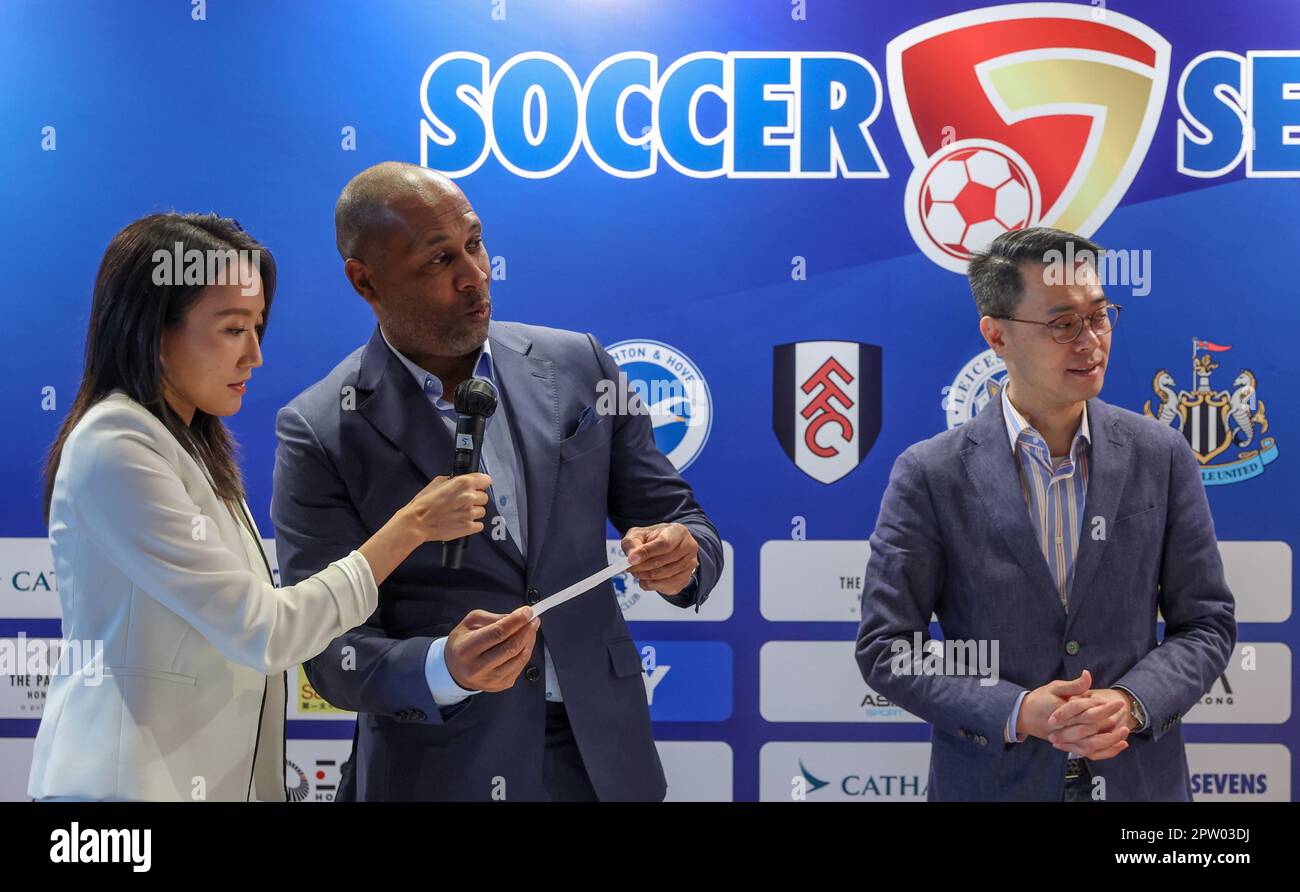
x: 980, y: 381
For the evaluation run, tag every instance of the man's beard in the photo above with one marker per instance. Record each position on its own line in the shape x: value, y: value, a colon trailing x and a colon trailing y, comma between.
x: 453, y: 336
x: 459, y: 336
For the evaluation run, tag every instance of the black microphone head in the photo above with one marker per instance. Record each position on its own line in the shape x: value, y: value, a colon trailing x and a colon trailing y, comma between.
x: 476, y: 396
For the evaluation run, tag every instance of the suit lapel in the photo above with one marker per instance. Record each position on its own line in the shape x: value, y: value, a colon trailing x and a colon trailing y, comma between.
x: 392, y: 402
x: 1109, y: 462
x: 254, y: 551
x: 230, y: 526
x: 531, y: 393
x: 991, y: 466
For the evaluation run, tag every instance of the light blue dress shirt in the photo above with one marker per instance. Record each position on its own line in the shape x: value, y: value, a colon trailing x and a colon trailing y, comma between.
x: 1055, y: 490
x: 502, y: 462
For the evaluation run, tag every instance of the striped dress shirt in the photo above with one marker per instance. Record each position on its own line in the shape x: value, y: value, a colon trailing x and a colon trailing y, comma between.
x: 1054, y: 493
x: 1054, y: 490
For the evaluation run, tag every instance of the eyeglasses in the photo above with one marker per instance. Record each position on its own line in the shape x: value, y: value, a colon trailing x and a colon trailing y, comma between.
x: 1066, y: 329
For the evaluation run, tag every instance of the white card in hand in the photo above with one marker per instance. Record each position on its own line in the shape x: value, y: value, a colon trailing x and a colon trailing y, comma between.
x: 582, y: 585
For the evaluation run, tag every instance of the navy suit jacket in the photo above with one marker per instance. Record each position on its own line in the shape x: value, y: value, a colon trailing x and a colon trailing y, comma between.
x: 954, y: 538
x: 358, y: 445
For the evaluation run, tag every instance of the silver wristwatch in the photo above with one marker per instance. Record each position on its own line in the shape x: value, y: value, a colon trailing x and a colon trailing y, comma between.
x: 1135, y: 708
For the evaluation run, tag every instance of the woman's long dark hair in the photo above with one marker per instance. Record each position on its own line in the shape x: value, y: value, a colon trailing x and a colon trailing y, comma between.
x: 128, y: 314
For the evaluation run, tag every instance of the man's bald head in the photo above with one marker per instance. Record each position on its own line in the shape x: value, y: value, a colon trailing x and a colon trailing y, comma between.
x: 365, y: 211
x: 413, y: 248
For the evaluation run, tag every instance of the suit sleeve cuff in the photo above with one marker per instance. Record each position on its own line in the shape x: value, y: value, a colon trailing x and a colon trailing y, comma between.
x: 443, y: 687
x: 686, y: 597
x: 1010, y: 735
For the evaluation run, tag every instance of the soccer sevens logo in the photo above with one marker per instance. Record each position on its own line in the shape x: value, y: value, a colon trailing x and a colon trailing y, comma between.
x: 1021, y: 115
x: 826, y: 404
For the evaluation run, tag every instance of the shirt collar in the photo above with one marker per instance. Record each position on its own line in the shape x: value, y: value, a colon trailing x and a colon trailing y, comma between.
x: 1017, y: 425
x: 431, y: 384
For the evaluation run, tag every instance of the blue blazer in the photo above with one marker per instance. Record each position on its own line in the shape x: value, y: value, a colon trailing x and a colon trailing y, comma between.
x: 954, y: 538
x: 358, y: 445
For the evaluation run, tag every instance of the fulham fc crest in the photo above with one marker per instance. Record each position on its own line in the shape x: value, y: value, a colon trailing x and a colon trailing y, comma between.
x: 826, y: 404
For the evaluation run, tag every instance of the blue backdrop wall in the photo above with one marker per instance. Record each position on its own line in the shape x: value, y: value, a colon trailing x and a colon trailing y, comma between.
x: 807, y: 172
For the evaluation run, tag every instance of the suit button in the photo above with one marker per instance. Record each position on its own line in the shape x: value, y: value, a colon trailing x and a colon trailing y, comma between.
x: 533, y: 597
x: 982, y: 740
x: 532, y: 673
x: 1072, y: 647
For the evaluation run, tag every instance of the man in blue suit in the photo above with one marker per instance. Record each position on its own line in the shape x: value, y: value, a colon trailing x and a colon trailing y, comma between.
x: 1054, y: 525
x: 454, y: 700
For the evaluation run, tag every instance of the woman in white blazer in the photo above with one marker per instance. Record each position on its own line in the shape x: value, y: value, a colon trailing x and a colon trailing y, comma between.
x: 156, y: 552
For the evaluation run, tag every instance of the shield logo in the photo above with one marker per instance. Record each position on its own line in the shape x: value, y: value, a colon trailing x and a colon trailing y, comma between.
x: 1019, y: 115
x: 826, y: 404
x: 1205, y: 423
x: 1212, y: 420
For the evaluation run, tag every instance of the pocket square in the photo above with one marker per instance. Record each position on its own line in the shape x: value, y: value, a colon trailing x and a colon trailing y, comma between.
x: 585, y: 420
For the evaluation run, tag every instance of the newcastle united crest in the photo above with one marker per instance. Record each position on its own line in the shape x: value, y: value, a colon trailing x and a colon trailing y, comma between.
x: 1228, y: 424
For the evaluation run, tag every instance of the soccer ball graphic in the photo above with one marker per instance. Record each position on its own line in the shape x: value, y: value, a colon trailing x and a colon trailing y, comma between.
x: 972, y: 194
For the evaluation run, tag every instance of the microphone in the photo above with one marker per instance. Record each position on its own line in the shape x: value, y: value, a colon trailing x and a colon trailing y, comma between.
x: 475, y: 401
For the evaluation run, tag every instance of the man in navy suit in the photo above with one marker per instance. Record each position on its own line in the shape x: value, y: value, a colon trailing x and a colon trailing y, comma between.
x: 455, y: 701
x: 1054, y: 525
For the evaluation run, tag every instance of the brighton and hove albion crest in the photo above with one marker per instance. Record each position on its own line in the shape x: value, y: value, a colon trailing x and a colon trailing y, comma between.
x: 826, y: 404
x: 1224, y: 425
x: 1022, y: 115
x: 674, y: 392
